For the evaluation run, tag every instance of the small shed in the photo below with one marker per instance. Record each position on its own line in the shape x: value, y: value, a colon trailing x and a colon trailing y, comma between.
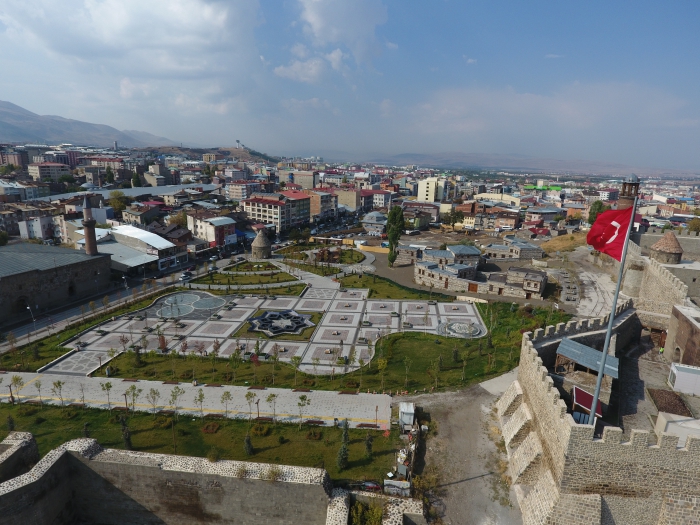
x: 570, y: 353
x: 407, y: 412
x: 684, y: 378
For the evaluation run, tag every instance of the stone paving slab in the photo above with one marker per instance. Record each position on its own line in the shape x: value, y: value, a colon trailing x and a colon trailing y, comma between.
x: 382, y: 321
x: 334, y: 335
x: 418, y: 308
x: 217, y: 329
x: 236, y: 314
x: 456, y: 309
x: 347, y: 306
x: 325, y: 405
x: 319, y: 293
x: 80, y: 363
x: 354, y: 294
x: 382, y: 306
x: 287, y: 349
x: 248, y: 302
x: 280, y: 303
x: 313, y: 305
x: 341, y: 319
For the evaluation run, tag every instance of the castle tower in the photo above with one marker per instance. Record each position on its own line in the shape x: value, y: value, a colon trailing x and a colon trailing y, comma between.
x: 667, y: 250
x: 261, y: 247
x: 89, y: 227
x: 630, y: 189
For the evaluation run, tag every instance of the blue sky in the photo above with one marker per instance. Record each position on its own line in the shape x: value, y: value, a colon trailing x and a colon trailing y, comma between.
x: 602, y: 81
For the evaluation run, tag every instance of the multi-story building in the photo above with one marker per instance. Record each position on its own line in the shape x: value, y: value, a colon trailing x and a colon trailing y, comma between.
x: 217, y: 230
x: 37, y: 228
x: 239, y: 190
x: 431, y: 189
x: 543, y: 214
x: 25, y: 191
x: 115, y: 163
x: 212, y: 157
x: 349, y: 198
x: 136, y: 214
x: 48, y: 170
x: 308, y: 180
x: 323, y: 205
x: 609, y: 194
x: 280, y: 209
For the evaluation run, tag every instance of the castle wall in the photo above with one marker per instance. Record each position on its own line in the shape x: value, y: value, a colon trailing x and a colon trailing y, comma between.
x: 18, y: 453
x: 660, y: 290
x: 689, y: 241
x: 630, y: 482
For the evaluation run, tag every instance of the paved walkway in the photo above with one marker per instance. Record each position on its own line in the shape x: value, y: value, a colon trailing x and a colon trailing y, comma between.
x: 324, y: 405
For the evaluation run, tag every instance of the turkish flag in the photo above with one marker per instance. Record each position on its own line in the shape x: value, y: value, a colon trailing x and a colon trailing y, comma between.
x: 609, y: 232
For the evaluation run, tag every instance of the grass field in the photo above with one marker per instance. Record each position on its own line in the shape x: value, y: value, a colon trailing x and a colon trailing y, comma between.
x: 382, y: 288
x: 294, y: 289
x: 476, y: 359
x: 251, y: 267
x: 304, y: 336
x: 321, y: 269
x: 351, y: 257
x: 235, y: 280
x: 295, y: 251
x: 564, y: 243
x: 52, y: 427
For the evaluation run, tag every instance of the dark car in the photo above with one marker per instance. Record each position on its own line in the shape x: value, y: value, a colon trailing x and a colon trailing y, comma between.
x: 160, y: 275
x: 191, y: 268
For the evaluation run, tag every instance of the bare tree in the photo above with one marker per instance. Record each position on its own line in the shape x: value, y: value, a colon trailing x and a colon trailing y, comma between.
x: 226, y: 398
x: 152, y: 397
x: 175, y: 395
x: 304, y: 402
x: 199, y: 400
x: 296, y: 361
x: 17, y: 383
x: 272, y: 401
x: 105, y: 303
x: 250, y: 399
x: 57, y: 390
x: 37, y: 385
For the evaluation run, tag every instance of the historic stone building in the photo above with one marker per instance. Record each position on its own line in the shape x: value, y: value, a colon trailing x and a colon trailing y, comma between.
x: 564, y: 474
x: 261, y: 248
x: 46, y: 277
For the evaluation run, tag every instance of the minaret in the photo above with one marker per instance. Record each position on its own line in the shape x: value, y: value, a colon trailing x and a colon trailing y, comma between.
x: 630, y: 189
x: 89, y: 227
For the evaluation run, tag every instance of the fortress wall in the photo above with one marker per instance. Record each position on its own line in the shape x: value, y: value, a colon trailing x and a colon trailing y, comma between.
x: 660, y: 290
x: 689, y: 241
x: 18, y: 453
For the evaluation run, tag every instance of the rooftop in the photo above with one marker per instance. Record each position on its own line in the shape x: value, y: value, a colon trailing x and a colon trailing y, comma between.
x: 668, y: 244
x: 20, y: 258
x: 149, y: 238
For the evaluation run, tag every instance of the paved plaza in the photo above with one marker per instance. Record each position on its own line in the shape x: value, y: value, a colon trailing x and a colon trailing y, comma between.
x: 349, y: 320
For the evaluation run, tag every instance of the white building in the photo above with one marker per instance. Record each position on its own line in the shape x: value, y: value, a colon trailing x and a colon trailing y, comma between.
x: 431, y: 189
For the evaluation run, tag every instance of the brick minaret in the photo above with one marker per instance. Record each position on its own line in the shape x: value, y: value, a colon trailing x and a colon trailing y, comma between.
x: 89, y: 227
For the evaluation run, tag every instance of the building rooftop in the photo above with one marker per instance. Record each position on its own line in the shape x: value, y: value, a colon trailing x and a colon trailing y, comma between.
x: 461, y: 249
x: 149, y: 238
x: 668, y: 244
x: 20, y: 258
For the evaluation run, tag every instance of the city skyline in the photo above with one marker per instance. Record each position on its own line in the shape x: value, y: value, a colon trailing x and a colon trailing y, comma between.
x: 604, y: 82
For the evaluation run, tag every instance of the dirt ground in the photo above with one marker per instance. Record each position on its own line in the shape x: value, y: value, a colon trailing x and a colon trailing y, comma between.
x: 470, y: 491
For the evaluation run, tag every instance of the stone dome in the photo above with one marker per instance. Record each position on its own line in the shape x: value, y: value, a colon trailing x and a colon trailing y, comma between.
x: 261, y: 247
x: 667, y: 250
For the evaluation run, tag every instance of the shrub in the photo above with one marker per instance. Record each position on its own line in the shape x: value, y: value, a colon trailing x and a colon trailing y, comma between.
x: 309, y: 382
x: 27, y: 410
x: 241, y: 472
x: 213, y: 455
x: 161, y: 422
x: 274, y: 473
x: 352, y: 384
x: 39, y: 420
x: 210, y: 428
x: 182, y: 432
x: 248, y: 446
x: 314, y: 435
x: 281, y: 440
x: 260, y: 430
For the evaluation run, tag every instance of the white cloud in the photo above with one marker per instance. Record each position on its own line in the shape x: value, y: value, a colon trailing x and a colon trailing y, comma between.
x: 469, y: 61
x: 552, y: 55
x: 335, y: 58
x: 299, y: 50
x: 129, y: 89
x: 309, y: 71
x: 392, y: 45
x: 351, y: 24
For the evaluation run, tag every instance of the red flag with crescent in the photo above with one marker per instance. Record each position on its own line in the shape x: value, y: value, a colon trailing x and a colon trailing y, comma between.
x: 609, y: 232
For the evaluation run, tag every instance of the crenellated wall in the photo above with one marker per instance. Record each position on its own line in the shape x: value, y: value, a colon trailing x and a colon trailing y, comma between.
x: 557, y: 464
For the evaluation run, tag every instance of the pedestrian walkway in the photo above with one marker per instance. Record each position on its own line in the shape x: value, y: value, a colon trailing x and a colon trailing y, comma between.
x: 359, y: 409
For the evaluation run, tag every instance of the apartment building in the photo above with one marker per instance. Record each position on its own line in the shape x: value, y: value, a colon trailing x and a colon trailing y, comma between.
x: 431, y: 189
x: 242, y: 189
x: 322, y: 205
x: 280, y: 209
x: 212, y: 157
x: 308, y: 180
x: 40, y: 171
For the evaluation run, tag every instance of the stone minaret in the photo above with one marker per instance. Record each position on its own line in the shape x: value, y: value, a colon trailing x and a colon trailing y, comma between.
x: 630, y: 188
x: 89, y: 227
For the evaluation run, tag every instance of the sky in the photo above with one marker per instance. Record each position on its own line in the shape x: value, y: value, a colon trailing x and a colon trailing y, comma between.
x: 612, y: 81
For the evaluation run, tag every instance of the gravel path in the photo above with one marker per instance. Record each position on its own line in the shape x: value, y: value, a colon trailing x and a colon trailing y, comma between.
x: 467, y: 458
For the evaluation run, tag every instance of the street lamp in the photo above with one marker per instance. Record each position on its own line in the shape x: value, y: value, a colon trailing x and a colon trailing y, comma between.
x: 33, y: 319
x: 126, y: 287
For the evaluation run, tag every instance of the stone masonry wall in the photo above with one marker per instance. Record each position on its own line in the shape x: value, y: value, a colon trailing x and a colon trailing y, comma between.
x: 18, y: 454
x: 660, y: 290
x: 631, y: 482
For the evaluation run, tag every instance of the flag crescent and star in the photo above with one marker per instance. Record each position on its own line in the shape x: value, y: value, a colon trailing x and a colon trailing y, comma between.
x: 609, y: 231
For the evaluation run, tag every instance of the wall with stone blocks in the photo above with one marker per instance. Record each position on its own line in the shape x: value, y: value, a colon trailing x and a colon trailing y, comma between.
x: 689, y: 241
x: 18, y: 454
x: 660, y: 290
x: 582, y: 480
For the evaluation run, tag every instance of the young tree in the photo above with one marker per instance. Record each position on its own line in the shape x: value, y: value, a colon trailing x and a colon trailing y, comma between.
x: 255, y: 362
x: 296, y: 362
x: 341, y: 460
x: 346, y: 432
x: 117, y: 201
x: 17, y: 382
x: 407, y: 365
x: 381, y: 366
x: 106, y: 388
x: 226, y: 398
x: 275, y: 358
x: 235, y: 361
x: 304, y: 402
x: 361, y: 363
x: 134, y: 393
x: 315, y: 361
x: 92, y: 306
x: 250, y: 399
x: 465, y: 356
x: 57, y: 390
x: 272, y: 401
x: 105, y: 303
x: 37, y: 385
x: 352, y: 356
x: 214, y: 354
x: 369, y: 439
x: 199, y: 400
x: 152, y: 397
x: 175, y: 395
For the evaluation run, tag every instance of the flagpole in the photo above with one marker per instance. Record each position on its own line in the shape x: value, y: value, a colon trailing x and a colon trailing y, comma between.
x: 608, y: 334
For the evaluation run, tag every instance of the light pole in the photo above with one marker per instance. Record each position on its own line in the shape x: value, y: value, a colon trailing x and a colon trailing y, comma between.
x: 33, y: 319
x: 126, y: 287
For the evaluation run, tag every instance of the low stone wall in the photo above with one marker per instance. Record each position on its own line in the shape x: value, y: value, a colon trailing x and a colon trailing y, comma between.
x: 18, y: 454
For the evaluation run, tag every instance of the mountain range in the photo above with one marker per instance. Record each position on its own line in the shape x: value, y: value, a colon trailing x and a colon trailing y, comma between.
x: 20, y: 125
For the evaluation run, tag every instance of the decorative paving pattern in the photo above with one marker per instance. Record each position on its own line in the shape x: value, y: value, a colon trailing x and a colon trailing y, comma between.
x: 216, y: 329
x: 341, y: 319
x: 209, y: 303
x: 335, y: 335
x: 313, y: 305
x: 79, y: 364
x: 354, y: 294
x: 281, y: 303
x: 460, y: 328
x: 419, y: 308
x: 456, y: 309
x: 248, y: 302
x: 286, y: 349
x: 278, y: 323
x: 383, y: 306
x: 236, y: 314
x: 347, y: 306
x: 319, y: 293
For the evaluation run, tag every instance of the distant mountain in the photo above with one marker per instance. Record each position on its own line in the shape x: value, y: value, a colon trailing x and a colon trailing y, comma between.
x: 149, y: 138
x: 19, y: 125
x: 516, y: 163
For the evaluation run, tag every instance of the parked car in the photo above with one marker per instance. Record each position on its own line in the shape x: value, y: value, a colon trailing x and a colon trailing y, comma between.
x: 185, y: 277
x: 214, y: 258
x: 191, y: 268
x: 160, y: 275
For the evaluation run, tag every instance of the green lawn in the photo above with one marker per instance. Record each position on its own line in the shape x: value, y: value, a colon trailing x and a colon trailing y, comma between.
x: 52, y: 427
x: 236, y: 280
x: 251, y: 267
x: 423, y: 350
x: 382, y: 288
x: 295, y: 289
x: 304, y: 336
x: 351, y: 257
x: 295, y: 251
x: 321, y: 269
